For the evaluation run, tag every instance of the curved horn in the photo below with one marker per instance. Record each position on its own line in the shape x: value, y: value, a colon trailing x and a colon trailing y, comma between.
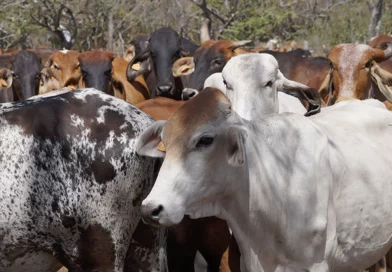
x: 380, y: 54
x: 205, y: 31
x: 383, y: 79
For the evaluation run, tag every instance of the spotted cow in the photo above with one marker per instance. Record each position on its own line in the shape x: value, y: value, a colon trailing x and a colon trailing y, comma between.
x: 71, y: 185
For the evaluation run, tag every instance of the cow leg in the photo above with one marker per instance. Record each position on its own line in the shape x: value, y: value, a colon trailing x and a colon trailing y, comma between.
x: 214, y: 239
x: 182, y: 246
x: 147, y: 250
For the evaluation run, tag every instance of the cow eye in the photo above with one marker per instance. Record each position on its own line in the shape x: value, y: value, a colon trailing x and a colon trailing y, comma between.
x: 15, y: 76
x: 227, y: 85
x: 77, y: 67
x: 56, y: 67
x: 269, y: 84
x: 108, y: 72
x: 369, y: 64
x: 331, y: 65
x: 204, y: 141
x: 218, y: 62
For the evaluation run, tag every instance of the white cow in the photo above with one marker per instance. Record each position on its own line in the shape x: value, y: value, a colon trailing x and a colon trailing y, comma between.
x: 256, y: 87
x: 300, y: 194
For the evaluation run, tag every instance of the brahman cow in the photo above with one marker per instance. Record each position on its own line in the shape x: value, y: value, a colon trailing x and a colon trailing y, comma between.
x: 256, y: 87
x: 282, y: 183
x: 209, y: 236
x: 26, y: 66
x: 67, y: 64
x: 354, y: 73
x: 161, y: 50
x: 71, y: 185
x: 6, y: 79
x: 96, y: 67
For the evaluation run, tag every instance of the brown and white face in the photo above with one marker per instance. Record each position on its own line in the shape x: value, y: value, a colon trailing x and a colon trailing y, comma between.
x: 351, y: 71
x: 203, y: 147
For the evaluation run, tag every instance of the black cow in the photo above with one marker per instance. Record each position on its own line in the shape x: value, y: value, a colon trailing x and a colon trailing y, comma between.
x: 71, y: 185
x: 26, y: 67
x: 96, y: 67
x: 161, y: 50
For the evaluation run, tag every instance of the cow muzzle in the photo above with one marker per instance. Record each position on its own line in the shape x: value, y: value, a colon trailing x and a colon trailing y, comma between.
x: 164, y: 90
x: 189, y: 93
x: 151, y: 214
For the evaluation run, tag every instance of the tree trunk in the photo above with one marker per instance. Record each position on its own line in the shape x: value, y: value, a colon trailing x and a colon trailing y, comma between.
x: 375, y: 19
x: 110, y: 31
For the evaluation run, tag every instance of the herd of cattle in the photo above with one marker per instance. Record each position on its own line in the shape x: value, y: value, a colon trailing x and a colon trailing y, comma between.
x: 259, y: 160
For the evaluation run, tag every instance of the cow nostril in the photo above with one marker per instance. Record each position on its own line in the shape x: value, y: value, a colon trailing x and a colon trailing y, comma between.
x: 157, y: 211
x: 192, y: 94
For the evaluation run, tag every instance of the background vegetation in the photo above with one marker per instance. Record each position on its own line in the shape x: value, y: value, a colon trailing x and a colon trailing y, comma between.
x: 111, y: 24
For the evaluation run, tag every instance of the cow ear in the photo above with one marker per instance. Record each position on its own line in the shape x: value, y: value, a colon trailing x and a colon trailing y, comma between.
x: 236, y: 151
x: 149, y: 142
x: 183, y: 66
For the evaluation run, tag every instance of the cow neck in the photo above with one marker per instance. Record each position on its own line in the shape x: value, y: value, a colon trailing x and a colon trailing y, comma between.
x: 252, y: 237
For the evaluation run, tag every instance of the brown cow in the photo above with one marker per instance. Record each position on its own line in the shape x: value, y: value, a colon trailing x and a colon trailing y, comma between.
x: 354, y: 73
x: 67, y: 64
x: 132, y: 93
x: 208, y: 235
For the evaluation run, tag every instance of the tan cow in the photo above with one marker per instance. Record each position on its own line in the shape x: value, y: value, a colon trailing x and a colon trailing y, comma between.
x: 132, y: 93
x: 67, y: 65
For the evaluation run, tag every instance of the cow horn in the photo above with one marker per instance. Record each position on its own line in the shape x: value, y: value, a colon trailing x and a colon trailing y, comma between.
x: 383, y: 79
x: 237, y: 44
x: 380, y: 55
x: 205, y: 30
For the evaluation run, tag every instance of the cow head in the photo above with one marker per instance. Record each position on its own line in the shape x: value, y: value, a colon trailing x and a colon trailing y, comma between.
x: 26, y: 67
x: 66, y: 64
x: 252, y: 85
x: 353, y: 70
x: 6, y: 78
x: 191, y: 137
x: 161, y: 50
x: 96, y: 67
x: 50, y: 80
x: 210, y: 58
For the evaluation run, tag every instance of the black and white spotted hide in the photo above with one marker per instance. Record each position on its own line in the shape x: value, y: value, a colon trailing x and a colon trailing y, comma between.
x: 71, y: 186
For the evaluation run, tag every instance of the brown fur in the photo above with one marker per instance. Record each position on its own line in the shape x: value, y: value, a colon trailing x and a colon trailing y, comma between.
x: 67, y: 66
x: 132, y: 93
x: 95, y: 56
x: 228, y: 48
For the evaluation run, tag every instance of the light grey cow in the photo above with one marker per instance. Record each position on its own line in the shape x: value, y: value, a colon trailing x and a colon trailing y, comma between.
x: 300, y: 194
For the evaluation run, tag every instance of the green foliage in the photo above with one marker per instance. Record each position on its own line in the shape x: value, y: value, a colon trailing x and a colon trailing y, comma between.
x: 323, y: 23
